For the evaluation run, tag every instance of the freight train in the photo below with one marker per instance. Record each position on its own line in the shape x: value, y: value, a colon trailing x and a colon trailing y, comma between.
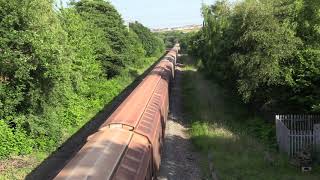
x: 128, y: 144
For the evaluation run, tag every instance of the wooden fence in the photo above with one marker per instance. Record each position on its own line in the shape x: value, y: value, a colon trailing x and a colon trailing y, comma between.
x: 296, y: 133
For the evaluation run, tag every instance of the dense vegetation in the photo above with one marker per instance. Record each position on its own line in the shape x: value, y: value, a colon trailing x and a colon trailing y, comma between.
x: 151, y: 43
x: 268, y: 51
x: 254, y: 56
x: 228, y: 135
x: 171, y: 37
x: 60, y: 66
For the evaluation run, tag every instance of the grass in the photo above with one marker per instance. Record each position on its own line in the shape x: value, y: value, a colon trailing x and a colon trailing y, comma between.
x: 17, y: 167
x: 241, y: 144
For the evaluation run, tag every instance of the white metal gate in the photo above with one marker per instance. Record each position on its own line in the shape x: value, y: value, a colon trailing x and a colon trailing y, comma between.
x: 296, y: 133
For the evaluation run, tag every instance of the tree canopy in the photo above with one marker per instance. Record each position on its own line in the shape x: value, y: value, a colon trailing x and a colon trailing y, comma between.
x: 151, y: 43
x: 58, y: 66
x: 267, y: 50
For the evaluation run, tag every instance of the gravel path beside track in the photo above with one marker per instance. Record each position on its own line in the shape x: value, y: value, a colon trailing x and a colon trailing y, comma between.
x: 179, y: 162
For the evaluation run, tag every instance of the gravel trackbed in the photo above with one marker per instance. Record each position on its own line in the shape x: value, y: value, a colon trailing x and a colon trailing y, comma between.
x: 178, y: 162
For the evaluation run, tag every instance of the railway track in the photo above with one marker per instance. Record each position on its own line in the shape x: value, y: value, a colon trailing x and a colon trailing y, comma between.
x: 128, y: 144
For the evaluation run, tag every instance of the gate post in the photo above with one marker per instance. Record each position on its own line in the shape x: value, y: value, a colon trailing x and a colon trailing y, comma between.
x: 316, y: 140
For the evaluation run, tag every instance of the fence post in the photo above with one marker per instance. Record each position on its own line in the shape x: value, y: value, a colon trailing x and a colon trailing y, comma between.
x: 316, y: 138
x: 277, y: 129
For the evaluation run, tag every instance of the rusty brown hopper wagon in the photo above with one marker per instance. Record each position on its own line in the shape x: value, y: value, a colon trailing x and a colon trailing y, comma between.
x: 128, y: 144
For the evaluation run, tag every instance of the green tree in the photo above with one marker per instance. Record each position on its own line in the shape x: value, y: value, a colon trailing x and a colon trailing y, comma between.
x: 267, y: 50
x: 34, y: 66
x: 105, y: 17
x: 152, y: 44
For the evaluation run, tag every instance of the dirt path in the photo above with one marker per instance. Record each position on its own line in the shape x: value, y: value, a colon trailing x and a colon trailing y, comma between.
x: 179, y: 161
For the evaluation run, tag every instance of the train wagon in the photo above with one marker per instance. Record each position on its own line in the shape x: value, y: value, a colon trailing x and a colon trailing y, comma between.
x: 128, y: 144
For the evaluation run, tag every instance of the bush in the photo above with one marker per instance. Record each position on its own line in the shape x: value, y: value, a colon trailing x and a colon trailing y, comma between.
x: 7, y: 145
x: 152, y: 44
x: 268, y: 51
x: 58, y: 68
x: 13, y: 142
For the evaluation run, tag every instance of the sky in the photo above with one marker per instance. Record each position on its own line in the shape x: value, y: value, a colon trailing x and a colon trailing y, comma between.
x: 160, y: 13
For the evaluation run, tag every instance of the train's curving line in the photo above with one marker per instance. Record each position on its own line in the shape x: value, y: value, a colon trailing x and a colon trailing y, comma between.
x: 128, y: 145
